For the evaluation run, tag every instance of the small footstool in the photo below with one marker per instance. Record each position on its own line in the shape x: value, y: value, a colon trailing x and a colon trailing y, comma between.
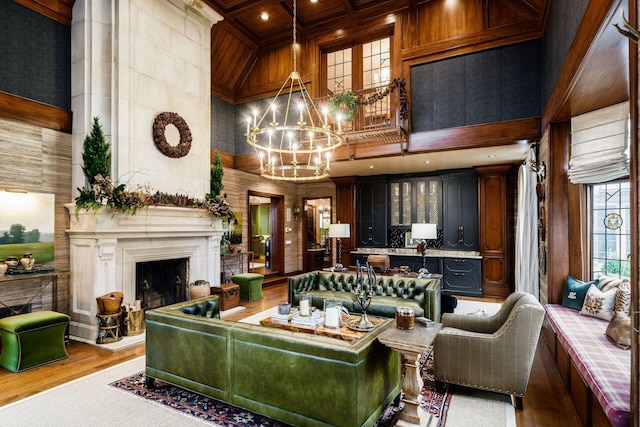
x: 250, y: 285
x: 32, y: 339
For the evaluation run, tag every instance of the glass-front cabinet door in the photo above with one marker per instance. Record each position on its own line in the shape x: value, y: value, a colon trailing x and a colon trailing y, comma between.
x: 427, y: 200
x: 401, y: 202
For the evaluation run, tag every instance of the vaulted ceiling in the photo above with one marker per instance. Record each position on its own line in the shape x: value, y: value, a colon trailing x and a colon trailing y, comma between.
x: 243, y: 36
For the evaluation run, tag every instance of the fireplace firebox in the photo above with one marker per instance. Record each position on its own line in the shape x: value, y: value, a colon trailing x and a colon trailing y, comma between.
x: 160, y: 283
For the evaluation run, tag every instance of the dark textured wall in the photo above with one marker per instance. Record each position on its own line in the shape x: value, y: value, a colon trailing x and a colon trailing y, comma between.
x: 35, y: 53
x: 562, y: 25
x: 243, y: 111
x: 483, y: 87
x: 223, y: 124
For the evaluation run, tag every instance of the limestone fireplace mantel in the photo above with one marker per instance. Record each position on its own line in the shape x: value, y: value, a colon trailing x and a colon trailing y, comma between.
x: 105, y: 247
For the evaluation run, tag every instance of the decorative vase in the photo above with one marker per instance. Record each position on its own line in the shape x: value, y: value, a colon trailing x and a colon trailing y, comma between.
x: 27, y: 261
x: 199, y: 289
x: 12, y: 261
x: 3, y: 269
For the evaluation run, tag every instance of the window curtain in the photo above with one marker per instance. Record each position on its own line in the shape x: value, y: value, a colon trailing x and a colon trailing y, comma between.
x: 599, y: 145
x: 526, y: 268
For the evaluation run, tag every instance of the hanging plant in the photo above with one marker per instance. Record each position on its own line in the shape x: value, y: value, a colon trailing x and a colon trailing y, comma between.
x: 345, y: 103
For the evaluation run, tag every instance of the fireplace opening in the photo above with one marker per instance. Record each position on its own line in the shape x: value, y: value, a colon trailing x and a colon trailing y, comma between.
x: 160, y: 283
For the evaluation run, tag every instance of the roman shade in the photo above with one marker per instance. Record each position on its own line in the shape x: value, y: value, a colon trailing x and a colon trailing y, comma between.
x: 599, y: 145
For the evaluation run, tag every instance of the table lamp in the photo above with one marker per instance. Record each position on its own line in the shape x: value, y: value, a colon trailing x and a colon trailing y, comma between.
x: 424, y: 231
x: 339, y: 231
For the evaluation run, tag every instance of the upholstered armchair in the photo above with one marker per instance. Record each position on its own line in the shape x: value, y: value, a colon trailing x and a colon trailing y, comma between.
x: 491, y: 353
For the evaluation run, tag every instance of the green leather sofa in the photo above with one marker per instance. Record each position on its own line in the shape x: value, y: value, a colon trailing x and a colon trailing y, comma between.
x: 423, y: 295
x: 297, y: 378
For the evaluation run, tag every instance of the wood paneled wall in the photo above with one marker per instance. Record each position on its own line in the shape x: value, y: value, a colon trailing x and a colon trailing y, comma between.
x: 237, y: 185
x: 557, y: 218
x: 494, y: 231
x: 38, y: 160
x: 425, y: 32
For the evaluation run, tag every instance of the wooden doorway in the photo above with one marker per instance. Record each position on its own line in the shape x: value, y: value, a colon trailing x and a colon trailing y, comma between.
x: 269, y: 238
x: 316, y: 248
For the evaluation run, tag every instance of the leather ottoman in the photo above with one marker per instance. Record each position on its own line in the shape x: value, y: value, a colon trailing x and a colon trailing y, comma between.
x: 250, y: 285
x: 32, y: 339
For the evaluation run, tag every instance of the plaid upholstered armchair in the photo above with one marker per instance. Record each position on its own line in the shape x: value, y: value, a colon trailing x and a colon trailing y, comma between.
x: 492, y: 353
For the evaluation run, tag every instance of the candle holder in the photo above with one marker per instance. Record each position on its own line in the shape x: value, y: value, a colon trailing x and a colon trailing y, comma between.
x: 304, y: 304
x: 363, y: 296
x: 332, y: 313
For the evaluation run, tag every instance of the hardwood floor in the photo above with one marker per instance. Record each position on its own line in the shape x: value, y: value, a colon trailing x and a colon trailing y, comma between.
x: 546, y: 402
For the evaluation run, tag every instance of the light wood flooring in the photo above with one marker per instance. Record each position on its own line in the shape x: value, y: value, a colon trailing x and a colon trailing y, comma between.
x: 546, y: 402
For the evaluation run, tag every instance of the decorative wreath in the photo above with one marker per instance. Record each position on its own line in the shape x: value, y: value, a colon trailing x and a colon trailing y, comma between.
x: 159, y: 126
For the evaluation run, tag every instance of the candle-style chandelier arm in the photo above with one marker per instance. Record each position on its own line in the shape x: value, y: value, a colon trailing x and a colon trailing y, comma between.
x: 300, y: 150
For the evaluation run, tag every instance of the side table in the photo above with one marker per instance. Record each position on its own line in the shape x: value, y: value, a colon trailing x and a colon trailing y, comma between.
x: 229, y: 294
x: 412, y: 343
x: 108, y: 328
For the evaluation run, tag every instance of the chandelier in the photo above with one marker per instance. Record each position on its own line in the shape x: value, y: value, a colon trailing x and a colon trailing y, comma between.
x: 301, y: 147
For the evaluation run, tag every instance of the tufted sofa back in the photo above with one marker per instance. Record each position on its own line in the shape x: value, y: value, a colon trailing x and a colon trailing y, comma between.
x: 424, y: 292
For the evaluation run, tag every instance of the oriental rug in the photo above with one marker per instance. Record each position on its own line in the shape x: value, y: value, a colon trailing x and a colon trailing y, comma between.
x: 436, y: 400
x: 117, y: 396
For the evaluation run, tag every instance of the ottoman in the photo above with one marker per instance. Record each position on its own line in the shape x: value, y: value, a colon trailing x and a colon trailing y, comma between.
x: 32, y: 339
x: 250, y: 285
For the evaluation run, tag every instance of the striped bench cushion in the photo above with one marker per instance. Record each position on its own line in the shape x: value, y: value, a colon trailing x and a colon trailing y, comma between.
x: 604, y: 366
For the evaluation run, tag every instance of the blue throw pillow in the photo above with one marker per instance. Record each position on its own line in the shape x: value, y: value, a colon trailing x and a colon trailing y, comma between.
x: 574, y: 292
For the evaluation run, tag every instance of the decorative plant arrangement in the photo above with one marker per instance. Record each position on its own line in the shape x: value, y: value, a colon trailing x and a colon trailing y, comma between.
x: 346, y: 104
x: 103, y: 191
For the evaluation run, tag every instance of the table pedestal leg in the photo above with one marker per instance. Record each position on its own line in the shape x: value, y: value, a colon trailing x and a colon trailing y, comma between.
x: 412, y: 414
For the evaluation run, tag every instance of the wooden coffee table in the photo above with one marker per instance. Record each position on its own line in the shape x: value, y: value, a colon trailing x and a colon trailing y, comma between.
x: 342, y: 333
x: 412, y: 343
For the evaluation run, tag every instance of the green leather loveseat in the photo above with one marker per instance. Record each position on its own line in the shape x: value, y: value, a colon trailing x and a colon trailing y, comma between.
x: 297, y: 378
x: 423, y: 295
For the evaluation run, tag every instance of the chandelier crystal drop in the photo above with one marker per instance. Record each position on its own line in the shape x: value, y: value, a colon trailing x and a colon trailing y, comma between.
x: 299, y: 148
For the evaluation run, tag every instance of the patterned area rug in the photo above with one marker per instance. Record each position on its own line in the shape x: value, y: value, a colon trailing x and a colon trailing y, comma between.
x: 436, y: 400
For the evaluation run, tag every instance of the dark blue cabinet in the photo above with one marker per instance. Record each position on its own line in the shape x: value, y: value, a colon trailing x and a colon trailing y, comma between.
x: 371, y: 201
x: 461, y: 276
x: 460, y: 211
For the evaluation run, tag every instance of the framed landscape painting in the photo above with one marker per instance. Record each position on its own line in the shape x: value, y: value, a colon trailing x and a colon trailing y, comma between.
x: 27, y: 225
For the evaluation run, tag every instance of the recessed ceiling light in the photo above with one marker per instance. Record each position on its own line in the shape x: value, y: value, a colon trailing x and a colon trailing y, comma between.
x: 314, y: 1
x: 426, y: 162
x: 371, y: 166
x: 491, y: 156
x: 264, y: 16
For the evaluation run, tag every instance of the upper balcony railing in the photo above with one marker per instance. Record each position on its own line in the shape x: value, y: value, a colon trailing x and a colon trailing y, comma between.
x: 382, y: 117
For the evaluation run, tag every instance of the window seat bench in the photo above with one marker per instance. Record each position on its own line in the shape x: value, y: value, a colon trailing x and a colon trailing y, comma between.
x: 595, y: 371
